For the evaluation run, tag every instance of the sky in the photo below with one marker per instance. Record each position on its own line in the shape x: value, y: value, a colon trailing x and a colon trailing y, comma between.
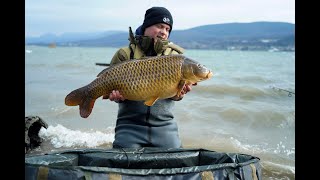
x: 63, y: 16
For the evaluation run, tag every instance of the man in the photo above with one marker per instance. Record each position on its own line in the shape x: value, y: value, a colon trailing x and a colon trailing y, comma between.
x: 139, y: 125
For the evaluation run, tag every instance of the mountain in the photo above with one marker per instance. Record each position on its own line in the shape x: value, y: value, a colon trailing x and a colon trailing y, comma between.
x: 68, y: 37
x: 254, y: 36
x: 243, y: 36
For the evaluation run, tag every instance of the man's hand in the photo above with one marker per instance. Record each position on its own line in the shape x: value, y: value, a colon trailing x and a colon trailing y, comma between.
x: 114, y: 96
x: 186, y: 88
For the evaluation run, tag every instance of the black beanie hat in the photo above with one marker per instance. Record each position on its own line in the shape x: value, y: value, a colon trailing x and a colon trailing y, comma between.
x: 156, y: 15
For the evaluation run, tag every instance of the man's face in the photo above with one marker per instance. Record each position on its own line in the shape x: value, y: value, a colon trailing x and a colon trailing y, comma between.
x: 160, y: 30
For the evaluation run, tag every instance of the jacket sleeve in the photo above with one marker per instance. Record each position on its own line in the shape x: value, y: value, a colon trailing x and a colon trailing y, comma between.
x: 176, y: 49
x: 119, y: 56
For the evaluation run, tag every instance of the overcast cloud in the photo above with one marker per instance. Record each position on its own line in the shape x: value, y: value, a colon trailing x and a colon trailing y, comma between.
x: 60, y: 16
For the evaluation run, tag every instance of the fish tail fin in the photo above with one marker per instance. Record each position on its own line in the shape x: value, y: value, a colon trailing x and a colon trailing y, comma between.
x: 86, y: 107
x: 79, y: 97
x: 75, y: 97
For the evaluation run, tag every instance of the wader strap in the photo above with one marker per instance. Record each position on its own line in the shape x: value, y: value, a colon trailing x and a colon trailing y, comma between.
x: 254, y: 172
x: 207, y: 175
x: 132, y: 41
x: 131, y: 52
x: 43, y: 173
x: 114, y: 176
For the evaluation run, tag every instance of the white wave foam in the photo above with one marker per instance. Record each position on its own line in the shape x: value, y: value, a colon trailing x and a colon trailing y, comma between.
x: 248, y: 148
x: 280, y: 149
x: 260, y: 149
x: 279, y: 166
x: 28, y: 51
x: 60, y: 136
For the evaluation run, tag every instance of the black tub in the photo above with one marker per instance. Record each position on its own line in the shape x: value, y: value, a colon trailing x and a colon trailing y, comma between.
x: 144, y: 163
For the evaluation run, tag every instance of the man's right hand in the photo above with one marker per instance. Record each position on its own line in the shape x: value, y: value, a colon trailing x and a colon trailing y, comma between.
x: 114, y: 96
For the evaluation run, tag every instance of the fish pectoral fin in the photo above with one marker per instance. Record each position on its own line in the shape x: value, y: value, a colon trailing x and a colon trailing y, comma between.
x: 180, y: 87
x: 151, y: 101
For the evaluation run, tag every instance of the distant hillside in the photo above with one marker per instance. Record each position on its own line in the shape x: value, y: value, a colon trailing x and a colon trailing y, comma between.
x: 68, y: 37
x: 242, y: 36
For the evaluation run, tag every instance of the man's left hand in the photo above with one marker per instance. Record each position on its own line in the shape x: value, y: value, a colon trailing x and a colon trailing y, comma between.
x: 186, y: 88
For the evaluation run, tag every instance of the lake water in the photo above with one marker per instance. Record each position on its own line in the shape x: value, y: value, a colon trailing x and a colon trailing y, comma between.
x: 248, y: 106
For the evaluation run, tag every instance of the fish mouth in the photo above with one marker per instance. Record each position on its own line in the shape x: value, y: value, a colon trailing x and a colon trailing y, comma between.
x: 209, y: 75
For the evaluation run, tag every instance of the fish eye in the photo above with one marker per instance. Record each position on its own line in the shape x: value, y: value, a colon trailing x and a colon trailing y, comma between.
x: 199, y: 65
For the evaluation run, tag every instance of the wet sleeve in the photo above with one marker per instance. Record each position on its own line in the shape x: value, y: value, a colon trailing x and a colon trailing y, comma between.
x: 176, y: 49
x: 175, y: 98
x: 175, y: 52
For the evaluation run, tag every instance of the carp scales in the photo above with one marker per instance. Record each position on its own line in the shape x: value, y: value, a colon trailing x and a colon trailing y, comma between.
x: 147, y: 80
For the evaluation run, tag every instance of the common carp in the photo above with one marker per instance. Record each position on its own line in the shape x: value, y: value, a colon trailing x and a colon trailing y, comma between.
x: 147, y: 80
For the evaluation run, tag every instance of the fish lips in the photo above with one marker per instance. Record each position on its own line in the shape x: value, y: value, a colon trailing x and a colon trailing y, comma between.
x: 205, y: 77
x: 209, y: 75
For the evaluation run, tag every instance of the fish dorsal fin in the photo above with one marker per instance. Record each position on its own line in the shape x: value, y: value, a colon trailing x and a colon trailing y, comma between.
x: 151, y: 101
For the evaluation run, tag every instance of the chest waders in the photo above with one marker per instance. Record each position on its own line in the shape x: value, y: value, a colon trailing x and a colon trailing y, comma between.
x: 139, y: 125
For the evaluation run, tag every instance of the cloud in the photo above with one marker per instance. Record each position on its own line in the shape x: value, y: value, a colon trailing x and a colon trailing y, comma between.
x: 100, y: 15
